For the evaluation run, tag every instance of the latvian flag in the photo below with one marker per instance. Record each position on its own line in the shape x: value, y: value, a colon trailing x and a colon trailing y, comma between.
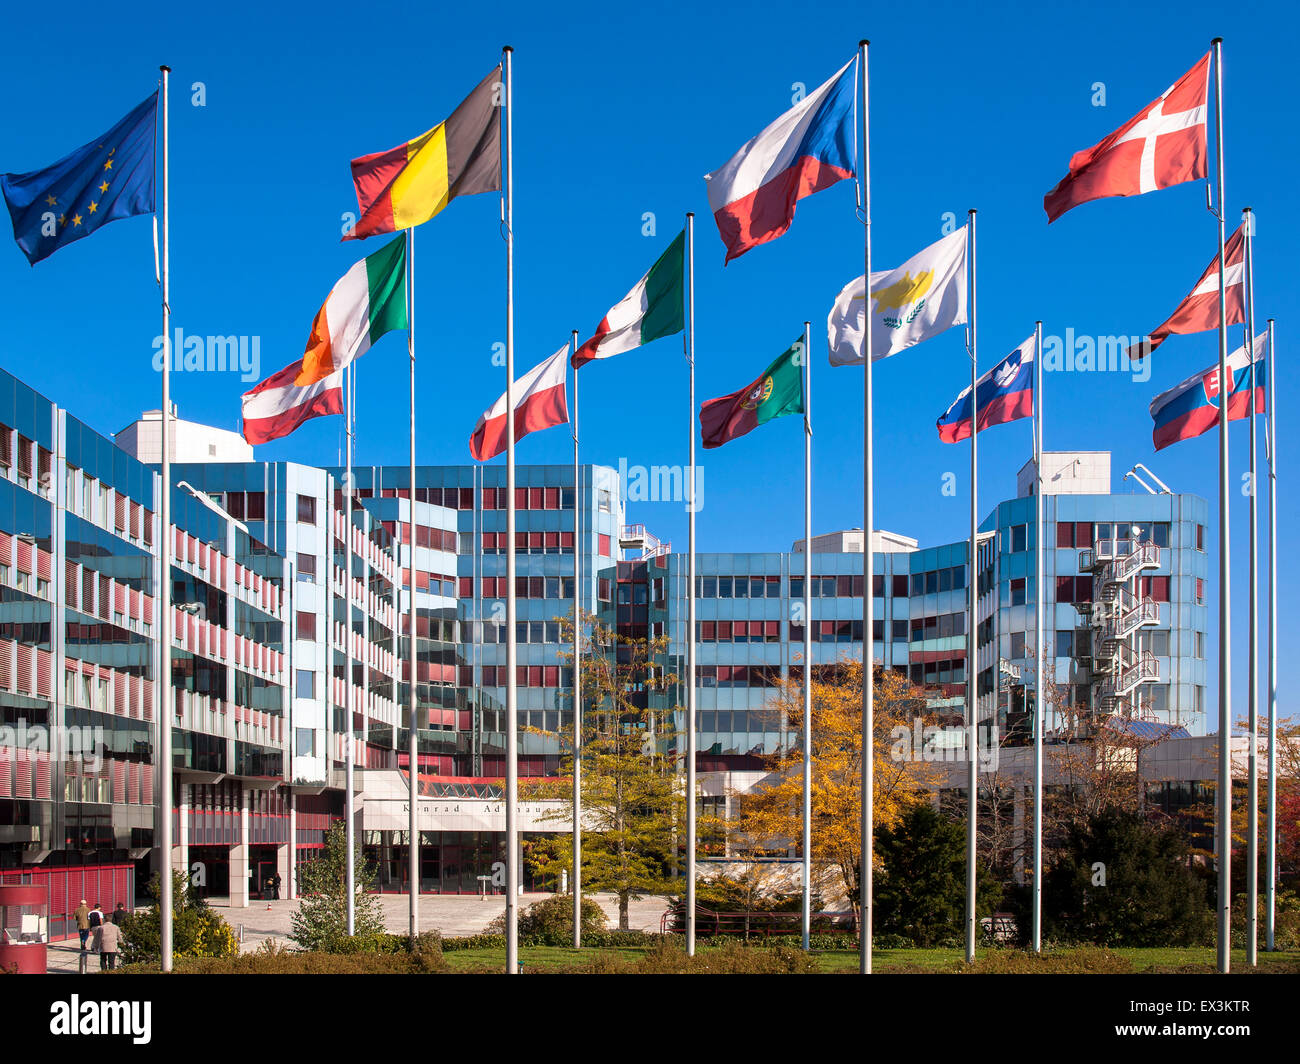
x: 1192, y: 408
x: 1199, y: 312
x: 807, y: 149
x: 1005, y: 393
x: 539, y: 404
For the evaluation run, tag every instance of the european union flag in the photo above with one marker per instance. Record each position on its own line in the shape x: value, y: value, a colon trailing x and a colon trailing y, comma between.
x: 111, y: 177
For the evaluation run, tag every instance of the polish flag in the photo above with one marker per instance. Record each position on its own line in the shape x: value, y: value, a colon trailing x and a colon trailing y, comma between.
x: 539, y: 404
x: 277, y: 406
x: 1164, y: 144
x: 1199, y: 312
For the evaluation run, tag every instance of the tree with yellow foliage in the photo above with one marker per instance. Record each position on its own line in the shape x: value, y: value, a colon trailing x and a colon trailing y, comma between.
x: 771, y: 817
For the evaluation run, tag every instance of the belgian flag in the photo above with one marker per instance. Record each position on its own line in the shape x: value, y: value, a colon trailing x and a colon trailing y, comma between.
x: 407, y: 185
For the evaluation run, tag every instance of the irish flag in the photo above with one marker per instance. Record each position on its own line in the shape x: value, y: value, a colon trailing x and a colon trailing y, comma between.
x: 655, y: 307
x: 409, y: 184
x: 539, y: 404
x: 367, y: 302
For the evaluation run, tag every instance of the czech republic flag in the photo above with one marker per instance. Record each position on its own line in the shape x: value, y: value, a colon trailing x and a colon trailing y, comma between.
x: 1005, y: 393
x: 807, y: 149
x: 1192, y: 408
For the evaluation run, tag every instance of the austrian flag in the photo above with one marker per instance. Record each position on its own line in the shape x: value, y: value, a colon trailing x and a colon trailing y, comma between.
x: 1164, y: 144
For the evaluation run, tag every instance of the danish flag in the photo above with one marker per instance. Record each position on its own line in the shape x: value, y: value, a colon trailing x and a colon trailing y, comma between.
x: 1164, y: 144
x: 1199, y: 312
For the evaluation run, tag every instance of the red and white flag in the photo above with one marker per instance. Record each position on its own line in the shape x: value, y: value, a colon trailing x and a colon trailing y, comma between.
x: 539, y: 404
x: 1164, y: 144
x: 1199, y: 312
x: 277, y: 406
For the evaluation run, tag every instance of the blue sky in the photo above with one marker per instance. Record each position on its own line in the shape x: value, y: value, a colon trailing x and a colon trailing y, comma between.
x: 620, y: 111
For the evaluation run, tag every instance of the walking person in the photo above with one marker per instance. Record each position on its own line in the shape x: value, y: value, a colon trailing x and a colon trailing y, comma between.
x: 82, y: 915
x: 96, y: 916
x: 107, y: 940
x: 119, y: 914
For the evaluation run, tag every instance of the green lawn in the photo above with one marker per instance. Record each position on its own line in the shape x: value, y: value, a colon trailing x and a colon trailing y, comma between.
x: 1161, y: 960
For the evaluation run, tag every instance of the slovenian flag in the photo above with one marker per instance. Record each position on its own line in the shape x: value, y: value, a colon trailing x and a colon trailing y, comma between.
x: 807, y: 149
x: 1005, y: 393
x: 1192, y: 408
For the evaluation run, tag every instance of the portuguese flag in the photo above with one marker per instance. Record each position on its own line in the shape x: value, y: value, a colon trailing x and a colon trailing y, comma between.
x: 655, y: 307
x: 779, y: 391
x: 409, y: 184
x: 367, y: 302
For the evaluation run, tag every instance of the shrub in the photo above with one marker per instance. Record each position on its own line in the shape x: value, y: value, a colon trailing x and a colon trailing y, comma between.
x: 197, y: 931
x: 1286, y: 930
x: 320, y: 922
x: 1151, y: 895
x: 549, y: 922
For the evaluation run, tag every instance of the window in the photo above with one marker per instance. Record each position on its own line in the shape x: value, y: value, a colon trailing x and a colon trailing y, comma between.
x: 306, y: 509
x: 307, y: 568
x: 304, y: 742
x: 306, y: 625
x: 1065, y: 644
x: 1019, y: 538
x: 1018, y: 591
x: 304, y: 683
x: 1200, y: 645
x: 899, y: 588
x: 1200, y: 589
x: 1200, y: 537
x: 605, y: 549
x: 1017, y: 645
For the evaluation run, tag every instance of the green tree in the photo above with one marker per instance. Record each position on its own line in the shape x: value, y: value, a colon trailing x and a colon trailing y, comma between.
x: 197, y: 931
x: 920, y: 891
x: 549, y: 922
x: 1123, y: 881
x: 320, y: 923
x: 633, y: 800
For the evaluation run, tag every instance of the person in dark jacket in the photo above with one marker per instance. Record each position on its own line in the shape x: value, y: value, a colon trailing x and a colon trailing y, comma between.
x: 119, y: 914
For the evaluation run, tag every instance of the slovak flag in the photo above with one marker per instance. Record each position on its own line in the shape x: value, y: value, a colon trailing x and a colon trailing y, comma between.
x: 1192, y: 408
x: 807, y: 149
x: 1005, y: 393
x: 1164, y: 144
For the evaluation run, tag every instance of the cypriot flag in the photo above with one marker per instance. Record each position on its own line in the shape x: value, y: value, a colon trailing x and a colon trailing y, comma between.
x: 914, y: 302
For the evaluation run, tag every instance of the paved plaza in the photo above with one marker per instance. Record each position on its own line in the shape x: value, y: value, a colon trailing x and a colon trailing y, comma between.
x: 453, y: 915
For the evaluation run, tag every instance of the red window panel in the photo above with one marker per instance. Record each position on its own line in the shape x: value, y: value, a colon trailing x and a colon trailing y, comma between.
x: 604, y: 547
x: 566, y: 541
x: 1065, y: 589
x: 709, y: 631
x: 1083, y: 534
x: 724, y: 631
x: 1064, y: 534
x: 489, y: 498
x: 772, y: 631
x: 71, y: 585
x: 146, y: 785
x: 1083, y: 589
x: 22, y: 775
x: 521, y: 541
x: 537, y: 587
x: 536, y: 498
x: 148, y: 526
x: 534, y: 676
x: 552, y: 499
x: 6, y: 771
x: 466, y: 584
x: 42, y: 776
x: 521, y: 498
x: 826, y: 629
x: 551, y: 676
x: 119, y: 511
x: 535, y: 541
x: 552, y: 540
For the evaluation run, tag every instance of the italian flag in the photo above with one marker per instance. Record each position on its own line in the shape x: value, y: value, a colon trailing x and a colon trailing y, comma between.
x: 539, y: 404
x: 655, y: 307
x: 367, y: 302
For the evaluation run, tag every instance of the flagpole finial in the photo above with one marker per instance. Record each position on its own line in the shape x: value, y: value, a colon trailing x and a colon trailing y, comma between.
x: 690, y: 214
x: 507, y: 48
x: 971, y: 210
x: 1217, y: 40
x: 165, y: 68
x: 864, y: 43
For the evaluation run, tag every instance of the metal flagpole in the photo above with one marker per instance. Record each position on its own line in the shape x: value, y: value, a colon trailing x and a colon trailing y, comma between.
x: 166, y: 710
x: 807, y: 634
x: 867, y: 797
x: 1223, y: 846
x: 348, y: 804
x: 972, y: 715
x: 690, y: 593
x: 1252, y: 657
x: 1040, y: 703
x: 577, y: 665
x: 1270, y: 440
x: 512, y: 647
x: 413, y: 741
